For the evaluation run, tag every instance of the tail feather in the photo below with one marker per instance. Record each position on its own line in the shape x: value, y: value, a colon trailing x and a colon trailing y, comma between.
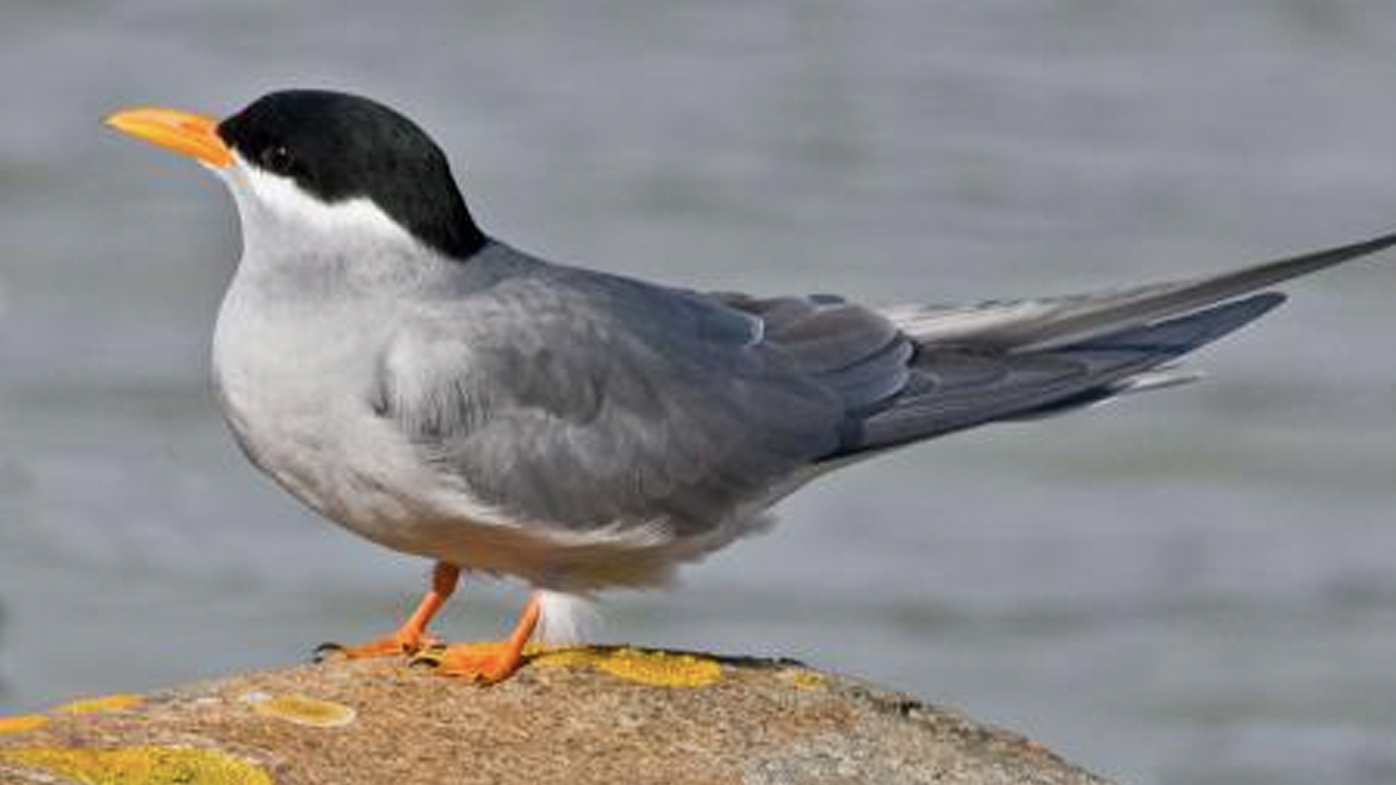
x: 1025, y: 325
x: 957, y: 388
x: 566, y: 619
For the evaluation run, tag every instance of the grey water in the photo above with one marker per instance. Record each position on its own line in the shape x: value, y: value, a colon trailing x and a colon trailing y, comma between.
x: 1195, y: 586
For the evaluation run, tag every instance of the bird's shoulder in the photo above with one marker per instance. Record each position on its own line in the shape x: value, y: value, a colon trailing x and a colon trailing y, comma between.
x: 506, y: 301
x: 513, y: 328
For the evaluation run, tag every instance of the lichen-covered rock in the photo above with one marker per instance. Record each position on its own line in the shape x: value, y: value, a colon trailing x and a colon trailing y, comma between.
x: 577, y: 716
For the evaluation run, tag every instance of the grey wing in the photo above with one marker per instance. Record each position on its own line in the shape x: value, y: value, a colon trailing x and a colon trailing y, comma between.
x: 584, y: 401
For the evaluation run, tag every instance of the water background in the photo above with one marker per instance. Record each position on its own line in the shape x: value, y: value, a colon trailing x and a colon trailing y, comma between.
x: 1194, y: 587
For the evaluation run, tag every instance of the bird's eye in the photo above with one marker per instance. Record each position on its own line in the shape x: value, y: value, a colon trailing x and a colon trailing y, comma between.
x: 276, y: 159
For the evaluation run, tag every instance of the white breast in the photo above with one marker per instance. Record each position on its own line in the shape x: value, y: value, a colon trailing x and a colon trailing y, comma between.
x: 293, y: 386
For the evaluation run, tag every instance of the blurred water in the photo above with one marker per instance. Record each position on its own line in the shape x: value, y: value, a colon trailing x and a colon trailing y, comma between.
x: 1199, y: 586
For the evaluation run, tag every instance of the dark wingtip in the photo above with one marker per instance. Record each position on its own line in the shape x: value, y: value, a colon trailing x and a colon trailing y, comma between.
x: 1182, y: 334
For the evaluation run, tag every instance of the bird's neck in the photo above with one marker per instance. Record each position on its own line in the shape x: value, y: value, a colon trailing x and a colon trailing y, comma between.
x: 448, y: 227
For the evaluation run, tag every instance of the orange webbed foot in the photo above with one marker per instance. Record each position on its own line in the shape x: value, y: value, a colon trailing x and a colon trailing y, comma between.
x: 395, y: 645
x: 482, y: 663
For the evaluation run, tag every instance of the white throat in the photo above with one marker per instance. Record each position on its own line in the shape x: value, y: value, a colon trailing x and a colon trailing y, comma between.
x: 281, y: 221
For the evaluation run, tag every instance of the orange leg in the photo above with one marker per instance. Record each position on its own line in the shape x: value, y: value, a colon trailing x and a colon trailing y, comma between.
x: 486, y: 663
x: 411, y: 637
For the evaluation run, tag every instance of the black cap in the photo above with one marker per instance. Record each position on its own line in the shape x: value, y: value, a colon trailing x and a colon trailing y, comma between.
x: 339, y: 146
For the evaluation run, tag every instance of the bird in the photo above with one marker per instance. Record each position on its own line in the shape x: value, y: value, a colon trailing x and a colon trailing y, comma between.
x: 447, y: 395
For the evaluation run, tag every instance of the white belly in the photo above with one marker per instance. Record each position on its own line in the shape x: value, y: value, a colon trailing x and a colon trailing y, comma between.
x: 295, y: 392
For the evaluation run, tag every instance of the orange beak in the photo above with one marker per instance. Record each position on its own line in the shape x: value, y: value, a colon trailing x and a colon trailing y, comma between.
x: 186, y: 133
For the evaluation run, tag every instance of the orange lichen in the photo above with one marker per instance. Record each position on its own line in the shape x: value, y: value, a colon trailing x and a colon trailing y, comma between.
x: 23, y: 723
x: 103, y: 704
x: 140, y: 766
x: 656, y: 668
x: 303, y: 710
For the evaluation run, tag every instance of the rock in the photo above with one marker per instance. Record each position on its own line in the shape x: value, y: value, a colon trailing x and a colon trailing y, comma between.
x: 596, y: 715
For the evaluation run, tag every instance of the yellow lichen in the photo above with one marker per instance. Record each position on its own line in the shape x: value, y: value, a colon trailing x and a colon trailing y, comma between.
x: 303, y: 710
x: 103, y: 704
x: 27, y: 722
x: 140, y: 766
x: 657, y: 668
x: 804, y: 679
x: 662, y: 668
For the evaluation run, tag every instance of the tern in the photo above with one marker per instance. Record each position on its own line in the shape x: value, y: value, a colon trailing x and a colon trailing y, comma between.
x: 447, y: 395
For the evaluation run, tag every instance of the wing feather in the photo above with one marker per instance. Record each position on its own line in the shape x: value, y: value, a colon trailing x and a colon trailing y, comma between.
x: 960, y: 388
x: 585, y: 401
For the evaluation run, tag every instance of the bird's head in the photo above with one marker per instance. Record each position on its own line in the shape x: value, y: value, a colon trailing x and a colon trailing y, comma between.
x: 312, y: 161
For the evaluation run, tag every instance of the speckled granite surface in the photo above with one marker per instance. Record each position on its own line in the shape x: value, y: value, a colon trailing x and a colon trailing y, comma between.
x: 578, y: 716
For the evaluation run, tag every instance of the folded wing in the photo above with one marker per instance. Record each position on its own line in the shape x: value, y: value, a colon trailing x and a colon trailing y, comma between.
x: 583, y: 402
